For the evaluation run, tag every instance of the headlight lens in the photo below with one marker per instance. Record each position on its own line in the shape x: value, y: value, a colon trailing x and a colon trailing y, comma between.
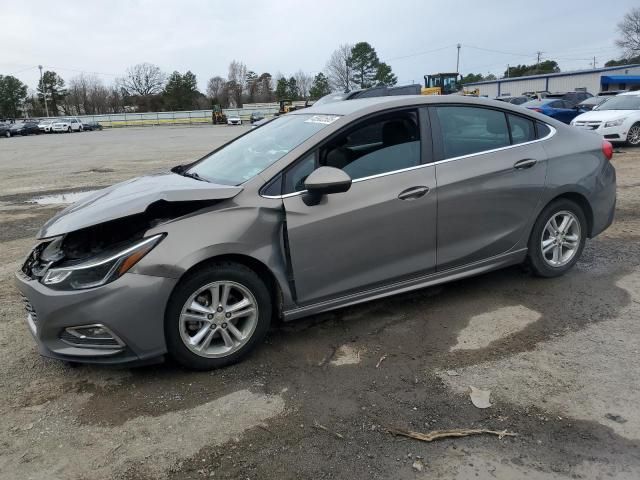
x: 100, y: 270
x: 615, y: 123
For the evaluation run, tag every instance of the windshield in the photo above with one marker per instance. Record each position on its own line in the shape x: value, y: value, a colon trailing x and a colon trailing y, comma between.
x: 251, y: 153
x: 536, y: 103
x: 621, y: 102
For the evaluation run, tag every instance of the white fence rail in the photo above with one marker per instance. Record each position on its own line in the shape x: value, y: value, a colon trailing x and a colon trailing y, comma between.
x: 194, y: 117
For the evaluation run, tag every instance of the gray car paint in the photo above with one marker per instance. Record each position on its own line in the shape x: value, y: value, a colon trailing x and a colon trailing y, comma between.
x: 131, y: 197
x: 251, y: 228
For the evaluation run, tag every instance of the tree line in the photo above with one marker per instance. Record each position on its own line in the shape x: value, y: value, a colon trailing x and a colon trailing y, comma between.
x: 145, y: 87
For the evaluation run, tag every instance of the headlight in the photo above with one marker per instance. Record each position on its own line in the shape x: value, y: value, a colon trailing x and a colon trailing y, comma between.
x: 615, y: 123
x: 99, y: 270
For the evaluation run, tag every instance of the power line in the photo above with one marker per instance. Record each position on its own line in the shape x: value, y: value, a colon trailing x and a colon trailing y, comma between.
x: 420, y: 53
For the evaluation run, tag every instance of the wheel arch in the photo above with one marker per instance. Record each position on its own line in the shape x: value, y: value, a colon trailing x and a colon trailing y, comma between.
x: 582, y: 202
x: 257, y: 266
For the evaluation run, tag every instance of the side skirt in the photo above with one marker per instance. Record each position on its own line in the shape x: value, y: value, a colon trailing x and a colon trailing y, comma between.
x: 477, y: 268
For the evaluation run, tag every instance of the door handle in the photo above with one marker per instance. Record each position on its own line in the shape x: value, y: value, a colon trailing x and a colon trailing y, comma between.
x: 526, y: 163
x: 413, y: 193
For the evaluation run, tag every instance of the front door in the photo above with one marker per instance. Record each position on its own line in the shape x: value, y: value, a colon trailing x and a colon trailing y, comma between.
x: 382, y: 229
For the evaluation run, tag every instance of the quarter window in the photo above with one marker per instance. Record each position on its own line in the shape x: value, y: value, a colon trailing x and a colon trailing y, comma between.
x: 522, y: 129
x: 468, y: 130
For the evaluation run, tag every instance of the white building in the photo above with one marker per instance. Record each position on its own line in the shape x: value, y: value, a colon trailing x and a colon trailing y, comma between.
x: 594, y: 81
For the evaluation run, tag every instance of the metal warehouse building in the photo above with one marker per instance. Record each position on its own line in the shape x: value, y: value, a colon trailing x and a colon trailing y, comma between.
x: 594, y: 81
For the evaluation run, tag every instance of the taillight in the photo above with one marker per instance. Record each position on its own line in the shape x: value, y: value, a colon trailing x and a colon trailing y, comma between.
x: 535, y: 109
x: 607, y: 149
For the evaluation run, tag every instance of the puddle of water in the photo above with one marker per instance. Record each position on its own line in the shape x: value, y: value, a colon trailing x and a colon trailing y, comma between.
x: 61, y: 198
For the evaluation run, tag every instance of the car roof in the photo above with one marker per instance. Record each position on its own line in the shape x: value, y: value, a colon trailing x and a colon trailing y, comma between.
x: 373, y: 104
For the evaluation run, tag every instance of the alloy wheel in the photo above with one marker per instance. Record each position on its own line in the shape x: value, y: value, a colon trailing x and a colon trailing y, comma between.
x: 560, y: 238
x: 218, y: 319
x: 633, y: 136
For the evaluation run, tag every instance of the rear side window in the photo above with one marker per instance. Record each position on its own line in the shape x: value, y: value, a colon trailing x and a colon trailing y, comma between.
x: 543, y: 129
x: 522, y: 129
x: 468, y: 130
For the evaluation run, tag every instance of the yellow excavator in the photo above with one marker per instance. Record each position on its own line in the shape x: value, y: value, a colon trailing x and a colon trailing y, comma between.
x: 445, y: 84
x: 217, y: 116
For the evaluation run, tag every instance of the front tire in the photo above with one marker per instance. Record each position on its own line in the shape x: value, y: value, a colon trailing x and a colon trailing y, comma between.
x: 216, y: 316
x: 557, y: 239
x: 633, y: 135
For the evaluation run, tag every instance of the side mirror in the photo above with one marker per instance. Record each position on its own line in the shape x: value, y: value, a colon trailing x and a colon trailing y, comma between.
x: 325, y: 181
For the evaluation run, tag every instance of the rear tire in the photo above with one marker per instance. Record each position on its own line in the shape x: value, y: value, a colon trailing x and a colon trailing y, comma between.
x: 205, y: 328
x: 557, y: 239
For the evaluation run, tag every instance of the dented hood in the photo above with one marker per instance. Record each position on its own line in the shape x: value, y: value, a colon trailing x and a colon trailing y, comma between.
x: 131, y: 197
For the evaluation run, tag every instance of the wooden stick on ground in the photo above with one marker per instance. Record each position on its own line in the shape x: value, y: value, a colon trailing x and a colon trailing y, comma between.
x: 322, y: 427
x: 456, y: 432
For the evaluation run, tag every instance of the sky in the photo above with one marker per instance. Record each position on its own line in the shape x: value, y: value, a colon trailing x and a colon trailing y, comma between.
x: 414, y: 37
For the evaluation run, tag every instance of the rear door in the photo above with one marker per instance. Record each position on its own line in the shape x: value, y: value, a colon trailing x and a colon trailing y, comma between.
x: 491, y: 173
x: 383, y: 229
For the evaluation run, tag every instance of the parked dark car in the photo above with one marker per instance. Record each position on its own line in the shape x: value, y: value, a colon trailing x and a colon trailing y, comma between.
x: 256, y: 117
x: 26, y: 127
x: 383, y: 91
x: 518, y: 100
x: 555, y: 108
x: 319, y: 209
x: 572, y: 98
x: 90, y: 126
x: 5, y: 130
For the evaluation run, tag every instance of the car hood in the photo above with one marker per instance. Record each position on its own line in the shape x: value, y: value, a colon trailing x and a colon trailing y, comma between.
x: 132, y: 197
x: 604, y: 115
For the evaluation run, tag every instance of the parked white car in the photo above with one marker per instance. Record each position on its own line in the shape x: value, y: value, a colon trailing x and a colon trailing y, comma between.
x: 46, y: 125
x: 68, y: 125
x: 617, y: 119
x: 234, y: 120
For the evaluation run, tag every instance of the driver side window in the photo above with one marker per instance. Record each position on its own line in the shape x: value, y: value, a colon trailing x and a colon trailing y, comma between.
x: 383, y: 144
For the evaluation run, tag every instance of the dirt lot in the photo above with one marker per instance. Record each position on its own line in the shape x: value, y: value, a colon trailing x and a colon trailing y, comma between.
x: 561, y: 358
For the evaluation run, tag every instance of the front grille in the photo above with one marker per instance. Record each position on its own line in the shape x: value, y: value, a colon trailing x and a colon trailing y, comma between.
x: 592, y: 125
x: 29, y: 308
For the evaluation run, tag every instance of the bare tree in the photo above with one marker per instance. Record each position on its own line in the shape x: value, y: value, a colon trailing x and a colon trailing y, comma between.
x: 215, y: 86
x: 86, y: 95
x: 303, y: 81
x: 629, y: 29
x: 143, y: 79
x: 339, y: 68
x: 237, y: 79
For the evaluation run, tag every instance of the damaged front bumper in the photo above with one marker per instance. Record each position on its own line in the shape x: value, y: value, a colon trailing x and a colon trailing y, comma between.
x: 131, y: 309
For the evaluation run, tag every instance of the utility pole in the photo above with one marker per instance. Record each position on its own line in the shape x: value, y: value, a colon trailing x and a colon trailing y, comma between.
x: 458, y: 59
x: 508, y: 66
x: 594, y: 62
x: 44, y: 91
x: 538, y: 62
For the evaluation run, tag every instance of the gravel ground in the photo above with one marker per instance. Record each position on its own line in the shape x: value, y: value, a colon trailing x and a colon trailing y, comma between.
x: 560, y: 358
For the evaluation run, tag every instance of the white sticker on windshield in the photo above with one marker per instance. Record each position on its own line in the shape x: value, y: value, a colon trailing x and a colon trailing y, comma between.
x: 324, y: 119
